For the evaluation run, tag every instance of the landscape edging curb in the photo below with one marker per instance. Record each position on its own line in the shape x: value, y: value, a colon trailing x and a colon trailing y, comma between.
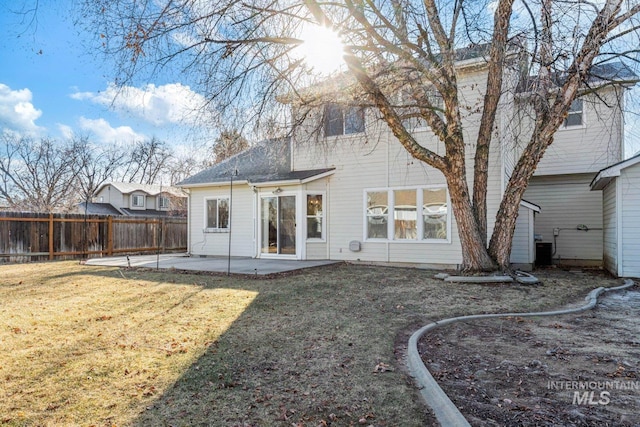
x: 445, y: 411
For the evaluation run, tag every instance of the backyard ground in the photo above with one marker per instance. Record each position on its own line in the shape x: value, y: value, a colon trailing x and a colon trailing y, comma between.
x: 573, y: 370
x: 83, y: 345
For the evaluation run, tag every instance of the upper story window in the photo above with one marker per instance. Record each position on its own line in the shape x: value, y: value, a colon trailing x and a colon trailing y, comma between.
x: 575, y: 116
x: 217, y: 214
x: 163, y: 202
x: 137, y: 201
x: 339, y: 120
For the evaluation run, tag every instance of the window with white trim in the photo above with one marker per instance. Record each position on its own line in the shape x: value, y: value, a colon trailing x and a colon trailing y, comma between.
x: 137, y: 201
x: 435, y: 213
x: 575, y: 116
x: 315, y: 216
x: 419, y: 214
x: 339, y: 120
x: 217, y: 214
x: 163, y: 202
x: 377, y: 214
x: 405, y: 215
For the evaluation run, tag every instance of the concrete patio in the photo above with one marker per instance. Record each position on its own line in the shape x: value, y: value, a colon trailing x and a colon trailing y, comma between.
x: 238, y: 265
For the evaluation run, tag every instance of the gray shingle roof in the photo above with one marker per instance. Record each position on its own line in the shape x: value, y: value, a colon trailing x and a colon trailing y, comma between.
x: 609, y: 72
x: 268, y: 161
x: 98, y: 209
x: 150, y: 189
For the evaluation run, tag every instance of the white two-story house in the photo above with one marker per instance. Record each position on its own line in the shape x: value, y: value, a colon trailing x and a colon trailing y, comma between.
x: 353, y: 193
x: 131, y: 199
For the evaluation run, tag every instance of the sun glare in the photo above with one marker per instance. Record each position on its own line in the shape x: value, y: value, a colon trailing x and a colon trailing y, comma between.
x: 322, y: 49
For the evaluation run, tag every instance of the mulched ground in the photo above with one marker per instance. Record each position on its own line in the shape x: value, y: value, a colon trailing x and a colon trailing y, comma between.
x: 536, y: 371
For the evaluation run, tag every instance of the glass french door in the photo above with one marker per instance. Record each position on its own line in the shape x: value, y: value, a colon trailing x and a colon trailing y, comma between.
x: 278, y: 225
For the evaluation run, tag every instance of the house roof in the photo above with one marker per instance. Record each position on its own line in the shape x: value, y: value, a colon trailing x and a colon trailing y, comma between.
x: 267, y: 162
x: 150, y: 189
x: 531, y: 206
x: 98, y: 208
x: 150, y: 213
x: 606, y: 175
x: 609, y: 72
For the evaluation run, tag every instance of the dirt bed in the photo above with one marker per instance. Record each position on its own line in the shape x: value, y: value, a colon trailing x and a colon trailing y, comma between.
x: 572, y: 370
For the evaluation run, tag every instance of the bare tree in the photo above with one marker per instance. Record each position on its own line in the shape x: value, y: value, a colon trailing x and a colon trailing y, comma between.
x: 229, y: 143
x: 96, y: 165
x: 38, y: 176
x: 147, y: 162
x: 242, y: 56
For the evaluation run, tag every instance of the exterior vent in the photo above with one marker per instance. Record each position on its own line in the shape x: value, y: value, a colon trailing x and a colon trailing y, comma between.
x: 354, y: 246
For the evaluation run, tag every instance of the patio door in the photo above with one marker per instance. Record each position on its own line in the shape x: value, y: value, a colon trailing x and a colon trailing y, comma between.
x: 278, y: 214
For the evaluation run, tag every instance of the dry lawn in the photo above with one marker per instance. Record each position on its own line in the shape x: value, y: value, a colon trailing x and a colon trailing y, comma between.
x: 82, y: 345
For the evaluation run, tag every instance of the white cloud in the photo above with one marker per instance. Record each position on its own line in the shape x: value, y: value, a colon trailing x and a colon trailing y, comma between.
x: 66, y: 131
x: 16, y: 110
x: 105, y: 133
x: 160, y: 105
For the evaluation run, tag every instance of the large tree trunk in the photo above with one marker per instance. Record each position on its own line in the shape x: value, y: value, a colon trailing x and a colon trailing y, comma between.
x: 474, y: 252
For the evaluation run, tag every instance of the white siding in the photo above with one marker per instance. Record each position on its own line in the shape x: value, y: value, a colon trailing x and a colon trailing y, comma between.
x: 566, y: 202
x: 590, y: 148
x: 111, y: 195
x: 610, y: 222
x: 242, y: 223
x: 376, y: 160
x: 629, y: 181
x: 522, y: 245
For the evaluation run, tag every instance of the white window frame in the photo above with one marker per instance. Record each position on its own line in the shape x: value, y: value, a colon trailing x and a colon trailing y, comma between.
x: 322, y: 216
x: 218, y: 229
x: 135, y: 197
x: 574, y: 112
x: 161, y: 205
x: 367, y: 215
x: 419, y: 213
x: 344, y: 111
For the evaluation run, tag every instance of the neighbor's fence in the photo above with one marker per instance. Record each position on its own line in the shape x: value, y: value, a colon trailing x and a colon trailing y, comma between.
x: 35, y: 236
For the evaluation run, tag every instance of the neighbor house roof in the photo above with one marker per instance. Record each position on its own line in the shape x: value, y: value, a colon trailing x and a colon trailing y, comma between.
x: 92, y: 208
x: 150, y: 189
x: 606, y: 175
x: 268, y: 162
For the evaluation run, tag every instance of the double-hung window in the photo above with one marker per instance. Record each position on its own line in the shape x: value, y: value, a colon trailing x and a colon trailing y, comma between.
x: 315, y: 216
x: 575, y: 116
x: 137, y: 201
x: 217, y: 214
x: 377, y: 214
x: 435, y: 214
x: 163, y: 202
x: 339, y: 120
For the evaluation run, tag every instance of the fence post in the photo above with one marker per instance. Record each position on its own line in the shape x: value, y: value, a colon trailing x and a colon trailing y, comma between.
x: 109, y: 235
x: 50, y: 236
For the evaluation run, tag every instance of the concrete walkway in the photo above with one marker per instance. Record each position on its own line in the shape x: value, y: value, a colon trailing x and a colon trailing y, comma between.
x: 239, y: 265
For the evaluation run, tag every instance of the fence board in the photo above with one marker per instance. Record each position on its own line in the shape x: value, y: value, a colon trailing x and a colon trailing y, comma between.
x: 36, y: 236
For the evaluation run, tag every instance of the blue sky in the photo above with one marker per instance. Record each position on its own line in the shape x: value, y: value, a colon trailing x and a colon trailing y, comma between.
x: 50, y: 85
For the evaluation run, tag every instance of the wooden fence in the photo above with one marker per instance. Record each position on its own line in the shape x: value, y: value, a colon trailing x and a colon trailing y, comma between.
x: 35, y: 236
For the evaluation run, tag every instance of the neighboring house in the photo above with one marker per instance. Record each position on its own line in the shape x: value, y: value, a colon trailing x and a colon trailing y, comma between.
x: 355, y: 194
x: 620, y: 185
x: 123, y: 198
